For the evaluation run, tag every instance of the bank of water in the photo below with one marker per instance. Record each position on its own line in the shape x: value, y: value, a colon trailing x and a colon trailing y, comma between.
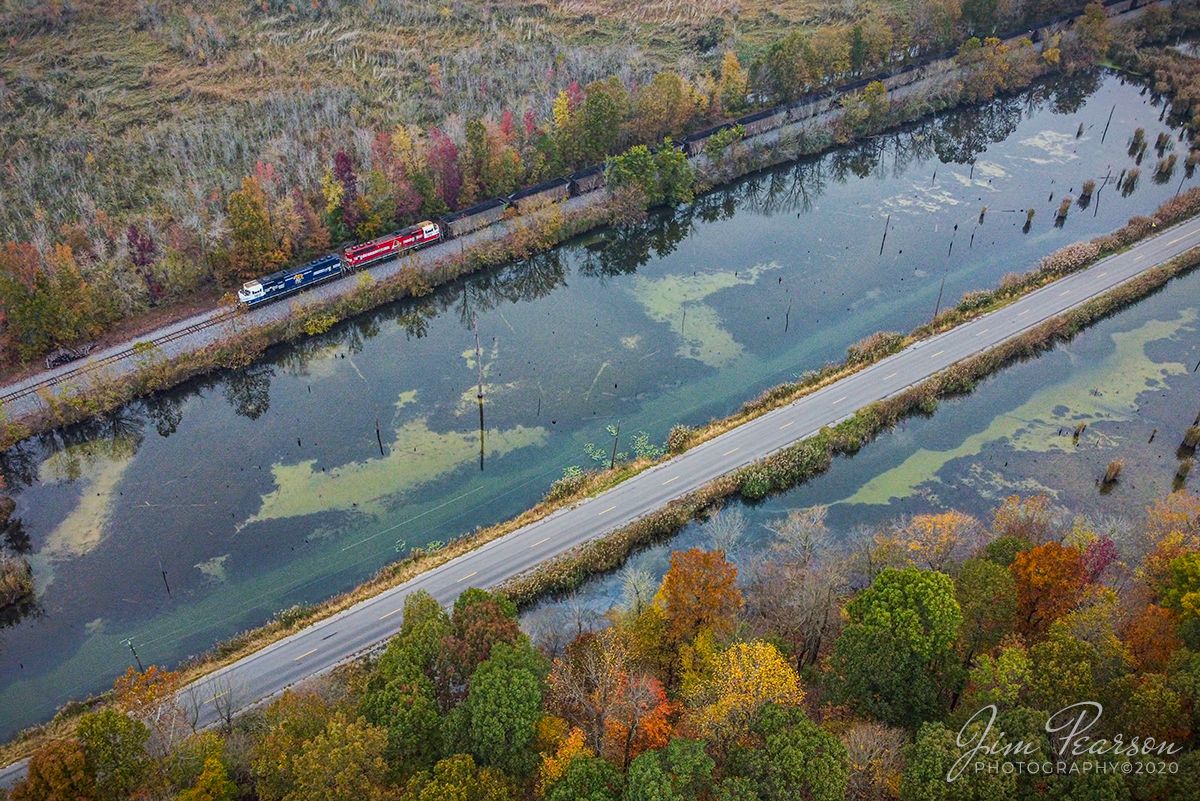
x: 173, y: 523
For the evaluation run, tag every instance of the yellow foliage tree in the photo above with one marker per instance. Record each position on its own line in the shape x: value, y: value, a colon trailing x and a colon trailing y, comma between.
x: 553, y: 767
x: 744, y: 678
x: 931, y: 540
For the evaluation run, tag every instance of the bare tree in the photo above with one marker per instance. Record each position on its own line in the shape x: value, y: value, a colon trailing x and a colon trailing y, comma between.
x: 724, y: 530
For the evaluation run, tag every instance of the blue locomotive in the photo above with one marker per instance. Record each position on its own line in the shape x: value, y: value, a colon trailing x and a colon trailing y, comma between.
x: 285, y: 282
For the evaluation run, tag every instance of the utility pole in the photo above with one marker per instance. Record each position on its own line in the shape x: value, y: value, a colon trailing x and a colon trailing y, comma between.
x: 616, y: 438
x: 129, y: 642
x: 938, y: 307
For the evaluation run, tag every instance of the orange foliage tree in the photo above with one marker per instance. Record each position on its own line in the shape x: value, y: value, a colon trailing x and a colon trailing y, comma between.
x: 1051, y: 581
x: 1150, y: 635
x: 58, y: 771
x: 641, y: 720
x: 700, y: 591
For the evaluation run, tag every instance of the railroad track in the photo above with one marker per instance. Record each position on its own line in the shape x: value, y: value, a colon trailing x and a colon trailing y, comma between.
x: 114, y: 358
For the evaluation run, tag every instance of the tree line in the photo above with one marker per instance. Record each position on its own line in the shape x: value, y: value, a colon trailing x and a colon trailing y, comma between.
x: 829, y: 667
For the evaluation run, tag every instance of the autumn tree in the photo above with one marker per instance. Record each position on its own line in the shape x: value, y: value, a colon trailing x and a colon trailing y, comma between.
x: 1050, y: 582
x: 478, y: 626
x: 460, y: 779
x: 344, y: 762
x: 1150, y: 635
x: 1094, y: 31
x: 733, y: 85
x: 254, y: 250
x: 142, y: 253
x: 46, y: 301
x: 343, y: 173
x: 640, y: 719
x: 700, y: 591
x: 1030, y: 518
x: 443, y: 169
x: 782, y: 71
x: 621, y: 710
x: 1171, y: 529
x: 115, y: 747
x: 290, y: 721
x: 662, y: 107
x: 933, y: 540
x: 213, y: 785
x: 744, y: 679
x: 892, y: 662
x: 58, y: 771
x: 570, y: 746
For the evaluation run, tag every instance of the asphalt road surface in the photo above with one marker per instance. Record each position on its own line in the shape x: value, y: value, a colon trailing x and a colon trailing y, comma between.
x: 328, y: 643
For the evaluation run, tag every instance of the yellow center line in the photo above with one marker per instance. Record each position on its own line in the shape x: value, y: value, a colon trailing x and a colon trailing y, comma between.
x: 215, y: 697
x: 984, y: 331
x: 464, y: 578
x: 1139, y: 258
x: 839, y: 400
x: 606, y: 511
x: 939, y: 353
x: 394, y: 611
x: 1024, y: 312
x: 886, y: 377
x: 1101, y: 275
x: 669, y: 480
x: 297, y: 659
x: 1176, y: 239
x: 726, y: 453
x: 1064, y: 292
x: 539, y: 542
x: 785, y: 425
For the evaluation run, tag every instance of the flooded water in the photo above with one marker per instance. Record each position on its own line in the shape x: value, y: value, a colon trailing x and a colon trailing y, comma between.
x: 178, y: 522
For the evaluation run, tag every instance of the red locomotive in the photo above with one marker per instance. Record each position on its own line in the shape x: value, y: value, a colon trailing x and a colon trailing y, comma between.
x: 414, y: 236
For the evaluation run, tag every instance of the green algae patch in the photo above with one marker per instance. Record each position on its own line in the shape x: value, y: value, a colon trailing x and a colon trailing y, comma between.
x: 678, y: 301
x: 1104, y: 390
x: 418, y: 455
x: 98, y: 466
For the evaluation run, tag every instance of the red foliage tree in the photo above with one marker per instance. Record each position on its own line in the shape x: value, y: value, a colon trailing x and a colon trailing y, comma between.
x: 1051, y: 581
x: 343, y: 173
x: 444, y: 168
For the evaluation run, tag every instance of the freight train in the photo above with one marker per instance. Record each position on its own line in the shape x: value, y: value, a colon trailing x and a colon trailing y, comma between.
x: 285, y: 282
